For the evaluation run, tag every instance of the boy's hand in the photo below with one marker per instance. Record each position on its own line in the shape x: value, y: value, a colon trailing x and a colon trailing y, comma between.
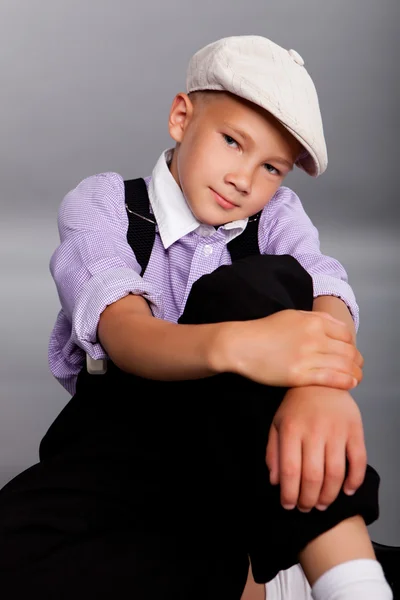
x: 313, y: 432
x: 293, y: 348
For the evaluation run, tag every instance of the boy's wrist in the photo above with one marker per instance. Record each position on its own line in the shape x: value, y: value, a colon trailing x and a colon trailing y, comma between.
x: 230, y: 351
x: 221, y: 355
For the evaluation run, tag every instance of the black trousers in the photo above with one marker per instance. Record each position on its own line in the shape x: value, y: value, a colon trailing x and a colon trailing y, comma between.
x: 150, y: 489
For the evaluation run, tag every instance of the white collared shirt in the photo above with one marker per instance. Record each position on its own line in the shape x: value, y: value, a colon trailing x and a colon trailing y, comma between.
x: 173, y: 215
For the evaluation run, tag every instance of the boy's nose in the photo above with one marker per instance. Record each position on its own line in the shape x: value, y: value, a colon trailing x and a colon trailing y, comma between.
x: 242, y: 180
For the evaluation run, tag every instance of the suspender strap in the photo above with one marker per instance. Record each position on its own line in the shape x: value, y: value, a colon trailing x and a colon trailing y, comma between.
x: 142, y: 228
x: 246, y: 244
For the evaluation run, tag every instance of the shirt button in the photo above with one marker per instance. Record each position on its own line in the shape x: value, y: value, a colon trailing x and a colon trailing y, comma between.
x: 208, y: 250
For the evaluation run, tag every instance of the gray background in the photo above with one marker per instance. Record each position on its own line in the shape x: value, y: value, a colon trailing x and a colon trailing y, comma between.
x: 86, y: 86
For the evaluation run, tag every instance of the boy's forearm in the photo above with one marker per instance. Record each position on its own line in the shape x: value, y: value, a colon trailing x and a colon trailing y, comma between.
x: 153, y: 348
x: 337, y: 308
x: 141, y: 344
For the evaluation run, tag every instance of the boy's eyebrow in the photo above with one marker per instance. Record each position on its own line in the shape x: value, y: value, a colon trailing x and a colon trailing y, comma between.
x: 283, y: 161
x: 248, y: 138
x: 240, y: 132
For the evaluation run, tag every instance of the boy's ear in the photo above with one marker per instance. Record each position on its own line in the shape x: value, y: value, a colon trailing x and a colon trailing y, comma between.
x: 179, y: 117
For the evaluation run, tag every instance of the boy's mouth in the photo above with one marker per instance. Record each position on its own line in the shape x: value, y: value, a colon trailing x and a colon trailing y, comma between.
x: 227, y: 204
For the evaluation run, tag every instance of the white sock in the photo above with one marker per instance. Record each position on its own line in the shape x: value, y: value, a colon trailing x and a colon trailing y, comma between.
x: 290, y: 584
x: 357, y: 579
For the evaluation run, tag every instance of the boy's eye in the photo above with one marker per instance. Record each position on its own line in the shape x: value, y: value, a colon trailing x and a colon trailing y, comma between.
x: 229, y: 140
x: 271, y: 169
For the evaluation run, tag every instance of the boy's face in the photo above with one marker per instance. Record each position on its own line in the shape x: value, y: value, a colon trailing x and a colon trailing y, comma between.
x: 231, y: 156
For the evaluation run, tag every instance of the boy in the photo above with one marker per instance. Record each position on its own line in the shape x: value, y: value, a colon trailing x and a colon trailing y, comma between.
x: 180, y: 322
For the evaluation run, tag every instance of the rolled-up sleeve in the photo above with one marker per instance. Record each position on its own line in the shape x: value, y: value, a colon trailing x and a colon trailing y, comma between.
x: 287, y: 229
x: 94, y: 265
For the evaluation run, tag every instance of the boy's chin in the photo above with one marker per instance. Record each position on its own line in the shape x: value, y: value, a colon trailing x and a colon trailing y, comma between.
x: 213, y: 222
x: 213, y: 218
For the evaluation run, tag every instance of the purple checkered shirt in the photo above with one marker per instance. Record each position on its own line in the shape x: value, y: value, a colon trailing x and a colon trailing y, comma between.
x: 94, y: 265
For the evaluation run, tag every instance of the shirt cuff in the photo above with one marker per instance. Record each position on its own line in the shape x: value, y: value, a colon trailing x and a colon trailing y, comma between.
x: 325, y: 285
x: 100, y: 291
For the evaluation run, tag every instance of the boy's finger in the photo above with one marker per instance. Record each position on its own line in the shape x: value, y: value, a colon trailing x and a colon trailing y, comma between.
x: 312, y: 475
x: 347, y: 350
x: 357, y: 459
x: 334, y: 328
x: 289, y: 468
x: 330, y: 378
x: 272, y: 455
x: 338, y: 330
x: 338, y: 363
x: 335, y: 471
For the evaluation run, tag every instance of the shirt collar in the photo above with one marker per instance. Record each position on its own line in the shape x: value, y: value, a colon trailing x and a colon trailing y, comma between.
x: 172, y: 213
